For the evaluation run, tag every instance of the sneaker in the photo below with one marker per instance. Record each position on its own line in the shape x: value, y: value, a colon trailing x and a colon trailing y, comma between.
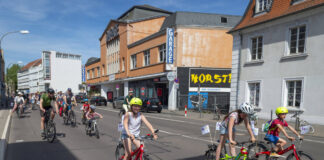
x: 274, y: 154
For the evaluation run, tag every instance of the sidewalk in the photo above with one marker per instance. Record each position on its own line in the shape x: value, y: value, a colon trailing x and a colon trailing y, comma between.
x: 5, y: 120
x: 319, y: 129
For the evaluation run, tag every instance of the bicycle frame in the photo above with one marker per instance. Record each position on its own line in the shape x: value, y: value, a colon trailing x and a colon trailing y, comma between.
x: 139, y: 152
x: 292, y: 147
x: 243, y: 153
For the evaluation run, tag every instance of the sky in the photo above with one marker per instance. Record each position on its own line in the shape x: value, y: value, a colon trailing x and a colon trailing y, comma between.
x: 74, y: 26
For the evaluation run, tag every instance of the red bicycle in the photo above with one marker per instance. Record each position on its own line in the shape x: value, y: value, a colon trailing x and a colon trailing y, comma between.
x: 137, y: 154
x: 259, y: 149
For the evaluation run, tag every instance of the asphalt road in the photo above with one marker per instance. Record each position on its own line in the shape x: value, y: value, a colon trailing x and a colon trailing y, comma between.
x: 179, y: 138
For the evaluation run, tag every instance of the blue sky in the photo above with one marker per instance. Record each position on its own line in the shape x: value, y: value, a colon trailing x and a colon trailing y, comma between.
x: 74, y: 26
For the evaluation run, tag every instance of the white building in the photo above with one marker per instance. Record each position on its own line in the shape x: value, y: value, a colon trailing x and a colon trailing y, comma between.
x: 62, y: 71
x: 30, y: 77
x: 278, y: 57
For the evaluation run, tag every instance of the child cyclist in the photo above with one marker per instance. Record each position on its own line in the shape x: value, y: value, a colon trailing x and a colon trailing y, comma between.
x: 132, y: 124
x: 276, y: 126
x: 92, y: 114
x: 227, y: 128
x: 85, y: 108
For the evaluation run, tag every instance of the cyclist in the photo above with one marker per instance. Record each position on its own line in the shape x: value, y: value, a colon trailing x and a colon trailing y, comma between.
x: 91, y: 114
x: 276, y: 126
x: 227, y: 128
x: 59, y: 100
x: 69, y: 101
x: 127, y: 101
x: 19, y: 102
x: 85, y: 108
x: 132, y: 124
x: 45, y: 105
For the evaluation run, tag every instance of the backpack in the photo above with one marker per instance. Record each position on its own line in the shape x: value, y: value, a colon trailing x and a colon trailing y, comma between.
x: 266, y: 126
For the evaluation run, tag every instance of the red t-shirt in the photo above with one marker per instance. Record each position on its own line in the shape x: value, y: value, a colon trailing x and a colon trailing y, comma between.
x: 273, y: 129
x: 86, y: 107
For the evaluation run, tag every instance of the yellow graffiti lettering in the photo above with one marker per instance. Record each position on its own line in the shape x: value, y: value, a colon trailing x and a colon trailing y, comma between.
x: 217, y: 78
x: 230, y: 77
x: 225, y: 77
x: 209, y: 78
x: 194, y: 78
x: 202, y: 78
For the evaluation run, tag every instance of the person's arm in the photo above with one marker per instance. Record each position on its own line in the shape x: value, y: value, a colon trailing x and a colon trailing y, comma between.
x: 65, y: 101
x: 294, y: 131
x: 127, y: 101
x: 284, y: 132
x: 98, y: 114
x: 149, y: 126
x: 230, y: 130
x: 248, y: 127
x: 56, y: 106
x: 41, y: 105
x: 87, y: 115
x: 74, y: 100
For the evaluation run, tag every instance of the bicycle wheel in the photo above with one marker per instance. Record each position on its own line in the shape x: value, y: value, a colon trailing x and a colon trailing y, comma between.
x: 119, y: 151
x: 146, y: 157
x: 301, y: 156
x: 97, y: 132
x: 18, y: 112
x: 210, y: 155
x: 257, y: 148
x: 73, y: 118
x: 51, y: 132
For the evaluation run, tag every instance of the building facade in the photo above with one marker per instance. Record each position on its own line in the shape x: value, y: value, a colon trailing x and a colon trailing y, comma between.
x: 30, y: 77
x: 2, y: 79
x: 277, y: 57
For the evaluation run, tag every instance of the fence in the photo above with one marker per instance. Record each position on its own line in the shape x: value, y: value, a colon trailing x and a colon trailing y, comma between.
x: 209, y: 102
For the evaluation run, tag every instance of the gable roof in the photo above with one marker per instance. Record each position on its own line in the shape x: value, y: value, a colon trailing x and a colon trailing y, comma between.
x: 132, y: 13
x: 34, y: 63
x: 92, y: 60
x: 279, y: 9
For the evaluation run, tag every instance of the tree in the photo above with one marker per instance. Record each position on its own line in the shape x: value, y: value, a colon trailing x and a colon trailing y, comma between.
x: 11, y: 76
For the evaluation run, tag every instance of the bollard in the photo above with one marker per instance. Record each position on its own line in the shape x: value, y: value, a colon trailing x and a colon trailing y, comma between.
x: 185, y: 110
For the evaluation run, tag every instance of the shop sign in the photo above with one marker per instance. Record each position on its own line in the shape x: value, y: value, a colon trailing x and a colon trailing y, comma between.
x: 112, y: 77
x: 156, y: 80
x: 169, y: 45
x: 210, y: 80
x: 83, y: 74
x: 171, y: 76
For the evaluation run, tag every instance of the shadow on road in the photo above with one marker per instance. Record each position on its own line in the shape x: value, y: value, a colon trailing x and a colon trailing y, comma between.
x: 194, y: 158
x: 39, y: 150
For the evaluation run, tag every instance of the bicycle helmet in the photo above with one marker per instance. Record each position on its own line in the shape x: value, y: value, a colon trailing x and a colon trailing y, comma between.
x: 85, y: 100
x: 69, y: 89
x: 281, y: 110
x: 136, y: 101
x: 19, y: 93
x: 50, y: 90
x: 246, y: 108
x: 93, y: 107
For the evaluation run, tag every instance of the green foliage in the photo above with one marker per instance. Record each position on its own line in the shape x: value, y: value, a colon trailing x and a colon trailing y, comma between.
x: 11, y: 76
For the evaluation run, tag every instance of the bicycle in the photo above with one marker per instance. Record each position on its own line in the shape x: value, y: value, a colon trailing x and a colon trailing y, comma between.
x: 210, y: 153
x: 93, y: 127
x: 69, y: 116
x: 301, y: 123
x: 137, y: 154
x: 19, y: 110
x: 49, y: 127
x: 297, y: 154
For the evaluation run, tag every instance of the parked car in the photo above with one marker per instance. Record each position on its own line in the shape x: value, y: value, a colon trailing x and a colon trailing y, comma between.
x: 151, y: 104
x: 98, y: 100
x: 118, y: 102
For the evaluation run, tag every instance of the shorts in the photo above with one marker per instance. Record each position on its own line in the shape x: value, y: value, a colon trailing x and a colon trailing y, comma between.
x: 125, y: 136
x: 126, y: 107
x: 224, y: 130
x: 42, y: 114
x: 271, y: 138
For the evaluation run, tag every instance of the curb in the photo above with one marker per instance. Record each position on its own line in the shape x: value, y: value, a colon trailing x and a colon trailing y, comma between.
x: 5, y: 137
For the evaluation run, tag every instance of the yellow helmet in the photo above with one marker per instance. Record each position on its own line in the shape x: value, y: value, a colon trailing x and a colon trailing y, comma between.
x: 281, y: 110
x: 136, y: 101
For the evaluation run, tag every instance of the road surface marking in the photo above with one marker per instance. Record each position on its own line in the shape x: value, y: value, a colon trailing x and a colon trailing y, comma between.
x: 19, y: 141
x: 6, y: 126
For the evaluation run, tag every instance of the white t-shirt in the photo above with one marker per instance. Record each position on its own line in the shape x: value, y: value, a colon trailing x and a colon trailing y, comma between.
x: 134, y: 124
x: 19, y: 100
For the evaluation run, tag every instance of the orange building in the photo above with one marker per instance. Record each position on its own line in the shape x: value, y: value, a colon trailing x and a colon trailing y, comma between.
x: 136, y: 52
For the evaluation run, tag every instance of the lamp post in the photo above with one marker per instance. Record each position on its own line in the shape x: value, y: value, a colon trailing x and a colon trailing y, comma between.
x: 1, y: 56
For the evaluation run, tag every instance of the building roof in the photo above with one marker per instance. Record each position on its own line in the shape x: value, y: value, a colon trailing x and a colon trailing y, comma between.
x: 34, y: 63
x: 279, y: 9
x: 92, y: 60
x: 136, y: 12
x: 192, y: 19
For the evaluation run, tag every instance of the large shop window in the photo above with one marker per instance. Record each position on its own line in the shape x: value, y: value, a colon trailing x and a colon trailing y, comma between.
x: 254, y: 93
x: 146, y: 57
x: 133, y: 61
x: 256, y: 49
x: 297, y: 40
x: 293, y: 92
x: 162, y: 52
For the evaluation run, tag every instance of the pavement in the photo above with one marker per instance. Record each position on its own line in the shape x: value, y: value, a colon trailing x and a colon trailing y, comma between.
x: 5, y: 120
x: 179, y: 137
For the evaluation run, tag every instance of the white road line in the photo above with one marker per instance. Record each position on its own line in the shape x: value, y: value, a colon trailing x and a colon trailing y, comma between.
x: 19, y: 141
x: 309, y: 140
x: 6, y: 126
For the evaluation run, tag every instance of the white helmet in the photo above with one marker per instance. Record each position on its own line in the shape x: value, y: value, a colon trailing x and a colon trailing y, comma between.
x: 246, y: 108
x: 19, y: 93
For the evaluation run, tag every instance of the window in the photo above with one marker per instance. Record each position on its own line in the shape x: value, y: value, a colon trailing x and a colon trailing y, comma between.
x: 123, y: 65
x: 58, y: 55
x: 297, y: 39
x: 88, y: 74
x: 47, y: 64
x: 254, y: 93
x: 93, y: 73
x: 103, y: 70
x: 133, y: 61
x: 293, y: 93
x: 65, y: 56
x: 262, y: 5
x: 71, y: 56
x: 223, y: 19
x: 296, y: 1
x: 146, y: 57
x: 256, y: 53
x: 162, y: 52
x: 98, y: 71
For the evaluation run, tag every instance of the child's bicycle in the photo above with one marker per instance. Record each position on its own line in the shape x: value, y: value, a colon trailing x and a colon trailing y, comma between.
x: 93, y: 128
x: 137, y: 154
x: 210, y: 153
x: 296, y: 155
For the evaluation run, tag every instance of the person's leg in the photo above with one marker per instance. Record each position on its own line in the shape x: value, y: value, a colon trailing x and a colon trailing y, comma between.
x: 128, y: 148
x: 125, y: 108
x: 137, y: 143
x: 52, y: 114
x: 232, y: 147
x: 221, y: 144
x: 14, y: 108
x: 280, y: 144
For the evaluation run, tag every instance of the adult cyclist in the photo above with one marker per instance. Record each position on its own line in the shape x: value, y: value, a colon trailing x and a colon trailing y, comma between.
x: 69, y: 101
x: 19, y: 102
x: 45, y: 105
x: 127, y: 100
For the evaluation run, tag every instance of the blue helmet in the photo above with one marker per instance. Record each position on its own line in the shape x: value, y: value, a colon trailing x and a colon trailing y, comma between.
x: 86, y: 100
